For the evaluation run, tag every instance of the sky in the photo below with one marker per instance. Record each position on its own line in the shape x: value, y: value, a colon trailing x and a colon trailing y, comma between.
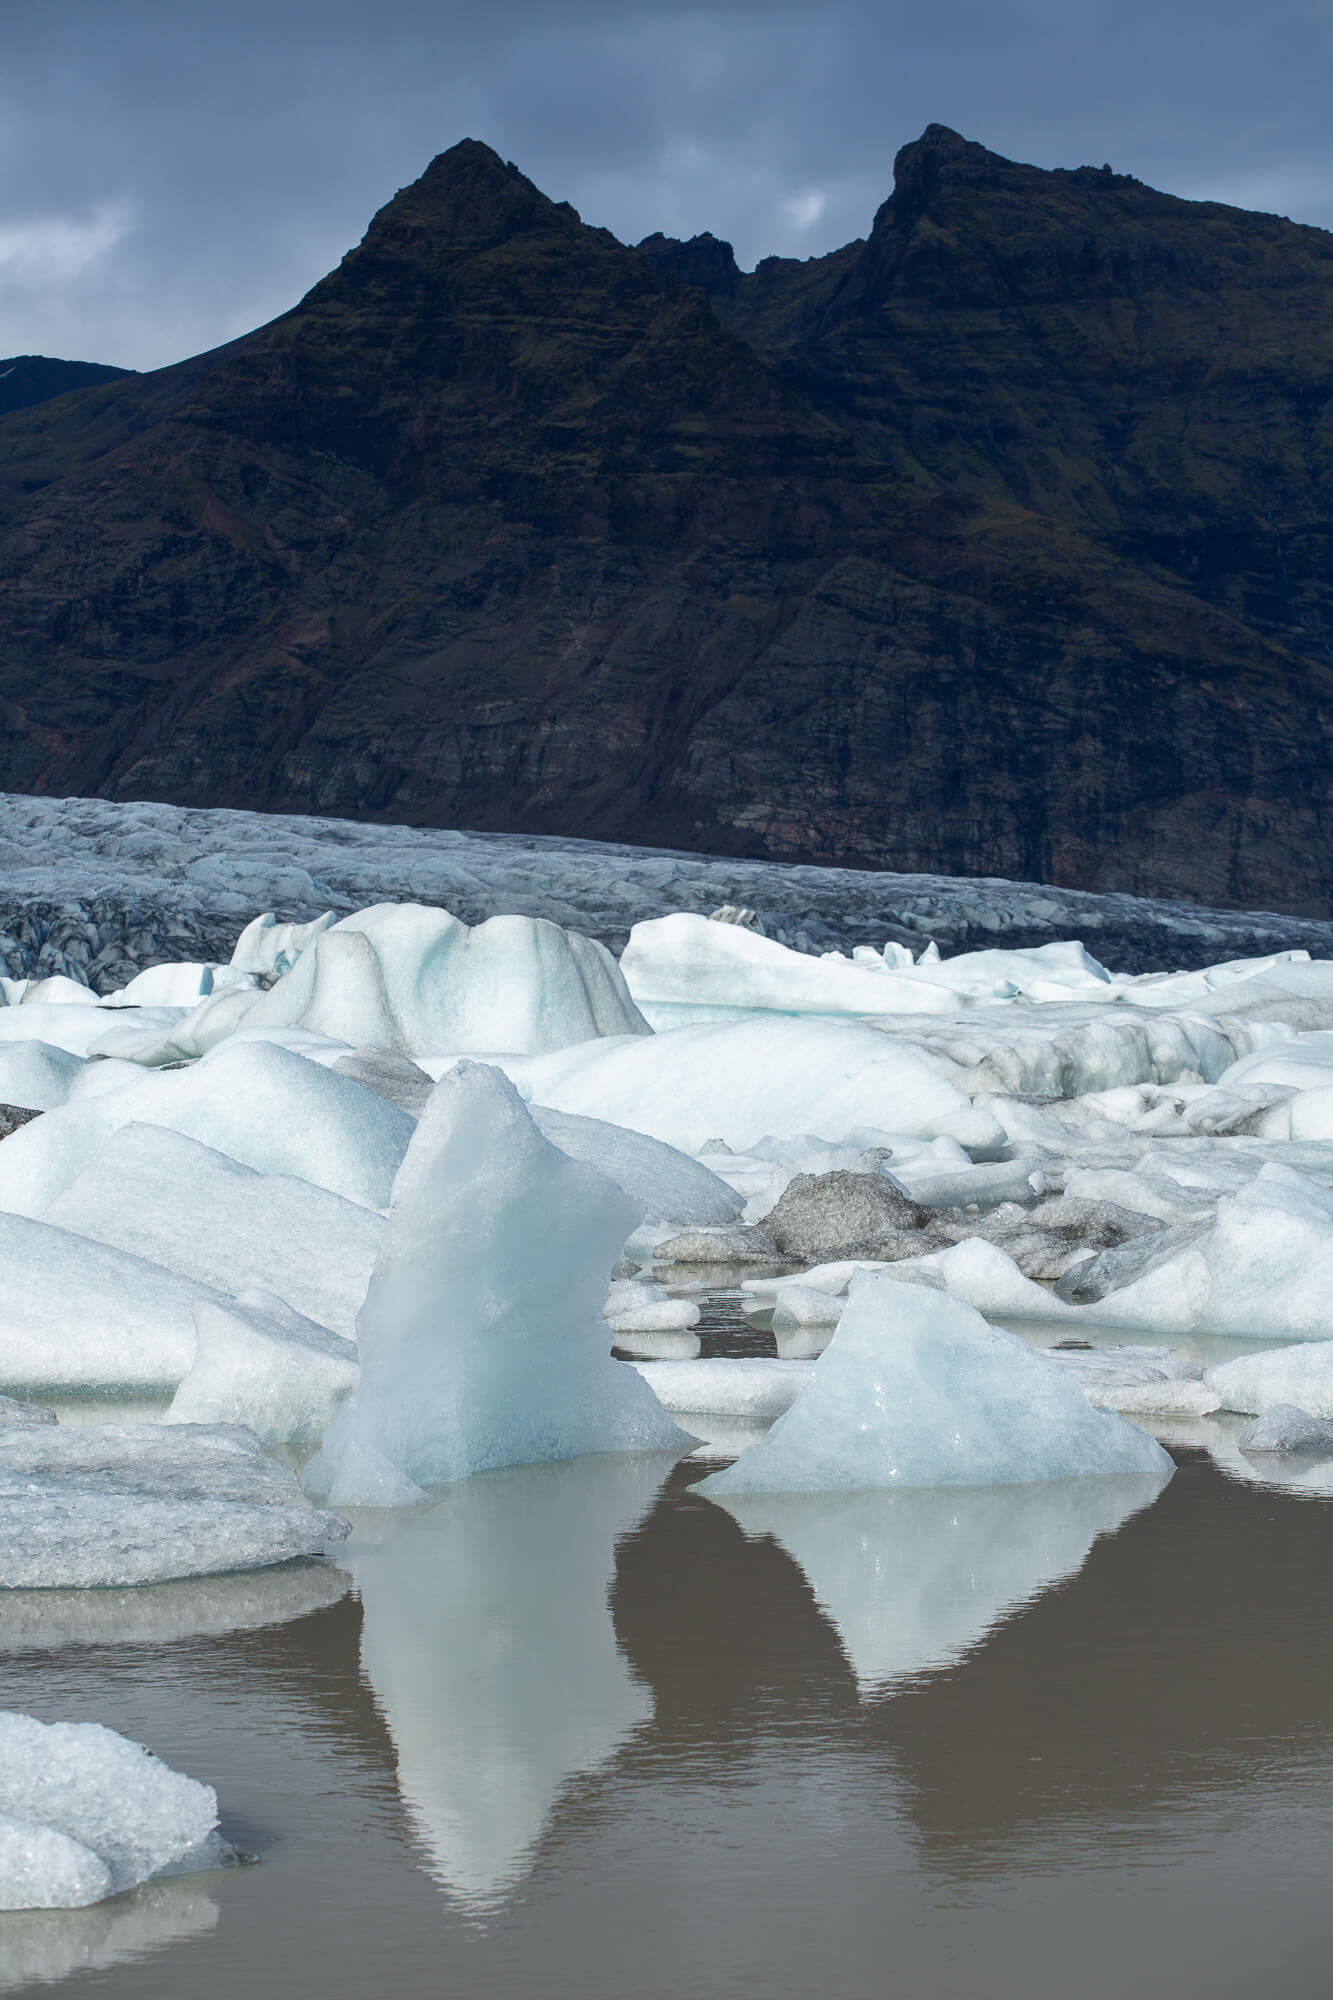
x: 173, y: 174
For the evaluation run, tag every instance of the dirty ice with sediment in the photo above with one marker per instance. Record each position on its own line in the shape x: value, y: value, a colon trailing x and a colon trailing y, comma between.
x: 383, y: 1203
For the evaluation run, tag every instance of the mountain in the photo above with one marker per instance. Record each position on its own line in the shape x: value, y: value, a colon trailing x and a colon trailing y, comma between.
x: 26, y: 379
x: 996, y: 543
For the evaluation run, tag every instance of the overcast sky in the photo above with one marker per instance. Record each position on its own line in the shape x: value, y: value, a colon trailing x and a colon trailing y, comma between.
x: 172, y: 174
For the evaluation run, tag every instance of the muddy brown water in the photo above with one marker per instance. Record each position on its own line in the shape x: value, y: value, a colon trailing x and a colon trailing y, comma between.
x: 577, y: 1732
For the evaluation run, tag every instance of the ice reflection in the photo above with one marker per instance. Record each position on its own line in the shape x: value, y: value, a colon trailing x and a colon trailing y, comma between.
x: 150, y: 1614
x: 488, y: 1641
x: 912, y: 1579
x: 38, y: 1947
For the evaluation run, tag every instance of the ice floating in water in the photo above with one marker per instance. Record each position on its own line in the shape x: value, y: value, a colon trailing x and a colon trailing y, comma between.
x: 85, y: 1813
x: 914, y: 1579
x: 482, y: 1342
x: 1252, y: 1383
x: 157, y: 1194
x: 81, y: 1315
x: 665, y: 1184
x: 742, y: 1081
x: 750, y: 1392
x: 416, y: 980
x: 487, y: 1639
x: 259, y: 1364
x: 916, y: 1389
x: 108, y: 1505
x: 257, y: 1103
x: 1284, y: 1428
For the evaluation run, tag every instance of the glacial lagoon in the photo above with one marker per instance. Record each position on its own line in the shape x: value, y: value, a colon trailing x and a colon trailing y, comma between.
x: 573, y: 1730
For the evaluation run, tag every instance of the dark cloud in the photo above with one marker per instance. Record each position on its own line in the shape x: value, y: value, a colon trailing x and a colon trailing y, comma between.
x: 171, y: 176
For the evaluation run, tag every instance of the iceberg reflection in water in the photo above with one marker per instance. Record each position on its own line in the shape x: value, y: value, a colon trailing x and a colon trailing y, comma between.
x: 40, y: 1947
x: 158, y: 1613
x: 912, y: 1579
x: 488, y: 1641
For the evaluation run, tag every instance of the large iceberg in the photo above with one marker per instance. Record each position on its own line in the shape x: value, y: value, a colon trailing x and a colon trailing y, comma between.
x: 84, y: 1814
x: 742, y: 1081
x: 482, y: 1342
x: 79, y: 1315
x: 109, y: 1505
x: 157, y: 1194
x: 915, y: 1389
x: 419, y: 981
x: 259, y: 1104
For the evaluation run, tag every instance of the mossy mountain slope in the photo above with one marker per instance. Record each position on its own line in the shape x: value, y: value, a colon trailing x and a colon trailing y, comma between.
x: 996, y: 543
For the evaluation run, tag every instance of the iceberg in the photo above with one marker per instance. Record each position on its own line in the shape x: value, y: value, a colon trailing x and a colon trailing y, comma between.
x: 665, y: 1184
x: 78, y: 1315
x: 687, y: 968
x: 487, y: 1639
x: 259, y: 1104
x: 1284, y: 1428
x: 744, y: 1081
x: 915, y: 1389
x: 915, y: 1579
x: 85, y: 1813
x: 418, y: 981
x: 109, y: 1505
x: 261, y: 1365
x: 157, y: 1194
x: 747, y: 1392
x: 1253, y: 1383
x: 482, y: 1342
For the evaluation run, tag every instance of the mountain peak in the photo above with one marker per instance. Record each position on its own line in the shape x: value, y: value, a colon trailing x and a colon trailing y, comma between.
x: 467, y: 199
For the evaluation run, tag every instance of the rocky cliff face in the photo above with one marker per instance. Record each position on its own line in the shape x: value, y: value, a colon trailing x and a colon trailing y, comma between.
x: 998, y: 543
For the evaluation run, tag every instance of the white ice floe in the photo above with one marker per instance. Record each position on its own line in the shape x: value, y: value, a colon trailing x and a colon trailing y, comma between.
x: 741, y: 1081
x: 639, y: 1305
x: 85, y: 1814
x: 915, y: 1389
x: 259, y: 1104
x: 1253, y: 1383
x: 684, y: 968
x: 152, y: 1191
x: 109, y: 1505
x: 665, y: 1184
x: 482, y: 1342
x: 750, y: 1391
x: 78, y: 1315
x: 260, y: 1364
x: 41, y: 1078
x: 417, y: 980
x: 1284, y: 1428
x: 914, y: 1579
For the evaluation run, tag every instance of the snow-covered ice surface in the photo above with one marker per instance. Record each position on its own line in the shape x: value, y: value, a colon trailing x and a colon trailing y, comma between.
x: 85, y: 1814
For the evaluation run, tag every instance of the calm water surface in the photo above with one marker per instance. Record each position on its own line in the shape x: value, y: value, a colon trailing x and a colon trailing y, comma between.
x: 577, y: 1732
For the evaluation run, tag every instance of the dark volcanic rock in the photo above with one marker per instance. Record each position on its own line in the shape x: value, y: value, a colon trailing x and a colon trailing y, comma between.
x: 26, y: 379
x: 996, y: 543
